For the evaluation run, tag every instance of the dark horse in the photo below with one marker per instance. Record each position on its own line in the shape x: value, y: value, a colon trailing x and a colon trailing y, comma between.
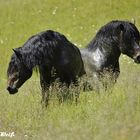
x: 55, y: 57
x: 102, y: 53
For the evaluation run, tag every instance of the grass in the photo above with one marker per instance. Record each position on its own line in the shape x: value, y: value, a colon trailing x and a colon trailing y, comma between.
x: 105, y: 116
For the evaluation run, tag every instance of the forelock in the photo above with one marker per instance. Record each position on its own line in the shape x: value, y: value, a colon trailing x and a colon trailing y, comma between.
x: 13, y: 65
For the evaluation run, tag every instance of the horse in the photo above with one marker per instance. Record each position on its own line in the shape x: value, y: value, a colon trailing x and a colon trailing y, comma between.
x: 101, y: 55
x: 54, y: 56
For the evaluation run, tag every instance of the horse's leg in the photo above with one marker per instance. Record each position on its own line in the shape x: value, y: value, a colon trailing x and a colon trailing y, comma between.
x: 111, y: 77
x: 76, y: 91
x: 116, y: 71
x: 45, y: 79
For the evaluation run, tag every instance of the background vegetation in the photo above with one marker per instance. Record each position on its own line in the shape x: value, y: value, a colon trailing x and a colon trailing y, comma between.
x: 108, y: 116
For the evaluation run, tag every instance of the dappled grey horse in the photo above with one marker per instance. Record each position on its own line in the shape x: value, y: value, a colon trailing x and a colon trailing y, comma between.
x: 101, y: 56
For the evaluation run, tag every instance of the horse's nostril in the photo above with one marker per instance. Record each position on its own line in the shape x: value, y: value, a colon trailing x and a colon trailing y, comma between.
x: 138, y: 58
x: 12, y: 90
x: 8, y: 88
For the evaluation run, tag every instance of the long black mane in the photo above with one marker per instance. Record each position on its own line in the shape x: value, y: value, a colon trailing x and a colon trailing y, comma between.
x: 41, y: 46
x: 110, y: 30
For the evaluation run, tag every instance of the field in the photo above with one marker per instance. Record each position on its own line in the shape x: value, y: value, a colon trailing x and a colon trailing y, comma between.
x: 104, y: 116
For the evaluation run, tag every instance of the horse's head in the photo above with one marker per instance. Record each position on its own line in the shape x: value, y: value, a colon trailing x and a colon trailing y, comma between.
x: 129, y: 41
x: 17, y: 73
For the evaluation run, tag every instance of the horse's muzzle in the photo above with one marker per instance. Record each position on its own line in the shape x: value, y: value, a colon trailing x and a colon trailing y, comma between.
x: 137, y: 59
x: 12, y: 90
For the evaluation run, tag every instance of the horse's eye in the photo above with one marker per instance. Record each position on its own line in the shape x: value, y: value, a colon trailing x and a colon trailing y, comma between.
x: 137, y: 41
x: 15, y: 77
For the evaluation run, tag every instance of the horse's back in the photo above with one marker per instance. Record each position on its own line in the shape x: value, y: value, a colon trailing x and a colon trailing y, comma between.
x: 69, y: 59
x: 66, y: 56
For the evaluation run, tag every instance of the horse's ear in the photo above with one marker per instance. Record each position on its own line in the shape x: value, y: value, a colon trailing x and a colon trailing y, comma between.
x: 121, y: 27
x: 18, y: 54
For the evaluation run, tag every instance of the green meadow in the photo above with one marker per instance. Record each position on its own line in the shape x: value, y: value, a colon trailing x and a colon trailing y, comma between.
x: 105, y: 116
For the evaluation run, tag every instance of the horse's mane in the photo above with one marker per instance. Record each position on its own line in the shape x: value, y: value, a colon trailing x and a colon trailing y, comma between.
x: 110, y: 30
x: 37, y: 47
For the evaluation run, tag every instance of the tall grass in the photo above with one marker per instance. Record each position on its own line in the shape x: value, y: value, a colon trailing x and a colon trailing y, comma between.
x: 109, y: 115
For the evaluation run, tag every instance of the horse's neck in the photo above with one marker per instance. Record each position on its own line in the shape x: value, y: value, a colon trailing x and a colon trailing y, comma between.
x: 32, y: 58
x: 108, y: 47
x: 84, y: 52
x: 100, y: 54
